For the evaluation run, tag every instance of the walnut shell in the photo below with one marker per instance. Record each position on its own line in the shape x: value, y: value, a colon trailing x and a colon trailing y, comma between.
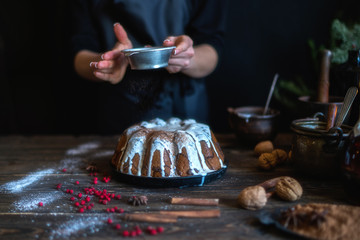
x: 288, y: 189
x: 267, y: 161
x: 280, y: 155
x: 263, y: 147
x: 252, y: 198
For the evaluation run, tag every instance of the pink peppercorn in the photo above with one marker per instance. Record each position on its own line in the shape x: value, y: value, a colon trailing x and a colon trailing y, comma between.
x: 77, y: 204
x: 58, y: 186
x: 117, y: 226
x: 81, y: 210
x: 121, y: 210
x: 104, y: 202
x: 89, y: 207
x: 64, y: 170
x: 87, y: 199
x: 160, y: 229
x: 118, y: 197
x: 67, y: 190
x: 82, y: 202
x: 152, y: 232
x: 71, y: 191
x: 109, y: 221
x: 80, y: 195
x: 41, y: 204
x: 72, y: 199
x: 125, y: 233
x: 77, y: 182
x: 133, y: 233
x: 91, y: 204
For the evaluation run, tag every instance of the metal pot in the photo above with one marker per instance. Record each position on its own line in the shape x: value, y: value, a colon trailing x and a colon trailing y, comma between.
x: 315, y: 151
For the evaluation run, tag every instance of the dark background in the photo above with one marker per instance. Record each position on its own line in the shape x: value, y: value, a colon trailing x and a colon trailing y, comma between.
x: 40, y: 95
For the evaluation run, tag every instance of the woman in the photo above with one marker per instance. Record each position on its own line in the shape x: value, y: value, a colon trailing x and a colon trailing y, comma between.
x: 127, y: 96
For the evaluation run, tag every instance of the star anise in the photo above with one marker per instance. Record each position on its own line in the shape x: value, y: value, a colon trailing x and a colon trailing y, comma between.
x: 92, y: 167
x: 138, y: 200
x: 298, y: 217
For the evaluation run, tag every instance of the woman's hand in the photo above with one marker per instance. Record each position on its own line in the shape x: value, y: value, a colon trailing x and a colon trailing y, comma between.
x: 113, y: 65
x: 194, y: 61
x: 182, y: 55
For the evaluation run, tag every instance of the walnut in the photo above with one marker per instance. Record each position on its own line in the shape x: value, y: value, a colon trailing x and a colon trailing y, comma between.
x: 281, y: 155
x: 267, y: 161
x: 252, y: 198
x: 288, y: 189
x: 263, y: 147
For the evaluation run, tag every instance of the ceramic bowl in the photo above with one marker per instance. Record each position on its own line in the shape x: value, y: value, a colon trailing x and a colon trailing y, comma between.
x: 149, y: 57
x: 251, y: 126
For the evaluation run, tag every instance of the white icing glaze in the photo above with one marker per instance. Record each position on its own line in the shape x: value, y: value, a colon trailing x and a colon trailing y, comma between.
x: 187, y: 134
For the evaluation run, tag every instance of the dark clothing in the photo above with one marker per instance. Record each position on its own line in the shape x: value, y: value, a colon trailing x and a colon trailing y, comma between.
x: 143, y: 95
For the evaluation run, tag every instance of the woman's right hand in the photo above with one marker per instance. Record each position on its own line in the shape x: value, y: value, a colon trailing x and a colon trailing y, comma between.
x: 113, y: 65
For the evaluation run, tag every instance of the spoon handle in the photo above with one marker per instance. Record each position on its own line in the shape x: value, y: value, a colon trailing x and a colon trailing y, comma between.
x: 270, y: 93
x: 348, y: 100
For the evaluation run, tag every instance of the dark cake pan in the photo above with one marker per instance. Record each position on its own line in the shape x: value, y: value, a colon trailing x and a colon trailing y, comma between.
x: 169, y: 182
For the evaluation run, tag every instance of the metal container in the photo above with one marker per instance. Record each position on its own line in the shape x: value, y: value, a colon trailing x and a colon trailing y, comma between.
x: 315, y: 151
x: 251, y: 126
x: 149, y: 57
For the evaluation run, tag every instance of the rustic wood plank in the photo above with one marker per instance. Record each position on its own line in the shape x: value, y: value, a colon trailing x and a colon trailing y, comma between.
x: 32, y: 167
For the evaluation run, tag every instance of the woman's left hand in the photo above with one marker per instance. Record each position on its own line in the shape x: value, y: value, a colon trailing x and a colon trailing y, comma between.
x: 182, y: 56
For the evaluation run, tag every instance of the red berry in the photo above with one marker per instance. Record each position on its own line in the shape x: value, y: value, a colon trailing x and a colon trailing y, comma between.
x: 153, y: 232
x: 87, y: 198
x: 121, y: 210
x: 89, y: 207
x: 77, y: 182
x: 82, y: 202
x: 41, y: 204
x: 104, y: 202
x: 118, y: 197
x: 159, y: 229
x: 71, y: 191
x: 64, y: 170
x: 91, y: 204
x: 125, y: 233
x: 81, y: 210
x: 110, y: 220
x: 80, y: 195
x: 133, y: 233
x: 58, y: 186
x: 77, y: 204
x: 72, y: 199
x: 118, y: 226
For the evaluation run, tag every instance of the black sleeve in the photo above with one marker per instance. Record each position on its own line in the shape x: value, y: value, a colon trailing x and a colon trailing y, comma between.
x: 208, y: 23
x: 84, y: 34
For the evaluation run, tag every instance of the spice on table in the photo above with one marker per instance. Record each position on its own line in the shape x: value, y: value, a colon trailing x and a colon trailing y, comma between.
x: 195, y: 201
x: 138, y: 200
x: 322, y: 221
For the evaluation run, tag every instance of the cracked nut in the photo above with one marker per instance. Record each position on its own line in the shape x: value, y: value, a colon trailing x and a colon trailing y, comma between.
x: 288, y: 189
x: 263, y: 147
x: 267, y: 161
x: 281, y: 155
x: 252, y: 198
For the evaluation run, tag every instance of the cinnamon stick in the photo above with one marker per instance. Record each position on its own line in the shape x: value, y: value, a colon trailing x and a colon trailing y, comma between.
x: 195, y: 201
x: 151, y: 217
x: 211, y: 213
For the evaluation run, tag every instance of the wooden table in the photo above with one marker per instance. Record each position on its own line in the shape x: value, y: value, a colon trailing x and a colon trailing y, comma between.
x: 32, y: 166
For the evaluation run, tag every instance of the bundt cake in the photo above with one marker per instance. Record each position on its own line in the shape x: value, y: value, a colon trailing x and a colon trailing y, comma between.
x: 172, y: 148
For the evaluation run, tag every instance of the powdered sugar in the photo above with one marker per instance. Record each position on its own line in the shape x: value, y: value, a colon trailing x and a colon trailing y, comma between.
x: 30, y: 201
x: 18, y: 185
x: 83, y: 148
x: 91, y: 224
